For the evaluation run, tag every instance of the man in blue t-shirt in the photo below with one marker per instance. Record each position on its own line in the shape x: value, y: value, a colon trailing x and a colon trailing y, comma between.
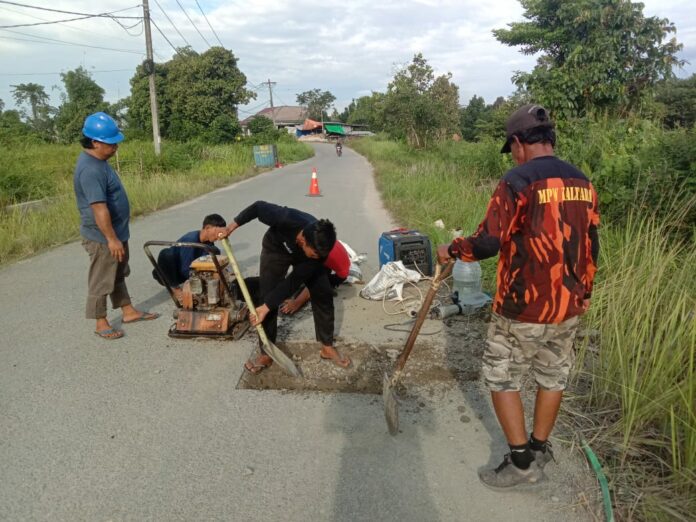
x: 175, y: 261
x: 104, y: 215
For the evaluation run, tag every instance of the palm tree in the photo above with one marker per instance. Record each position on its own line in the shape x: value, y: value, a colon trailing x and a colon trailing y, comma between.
x: 33, y: 94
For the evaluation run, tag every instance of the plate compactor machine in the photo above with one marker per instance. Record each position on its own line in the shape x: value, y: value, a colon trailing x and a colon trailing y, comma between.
x: 209, y: 304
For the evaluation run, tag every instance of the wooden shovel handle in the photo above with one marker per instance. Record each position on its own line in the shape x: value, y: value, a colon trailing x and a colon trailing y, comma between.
x: 440, y: 275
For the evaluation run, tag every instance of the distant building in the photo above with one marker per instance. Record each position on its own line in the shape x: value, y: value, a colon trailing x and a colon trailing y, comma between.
x: 285, y: 117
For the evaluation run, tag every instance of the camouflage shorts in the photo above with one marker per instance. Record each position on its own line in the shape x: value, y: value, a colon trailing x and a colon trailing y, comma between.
x: 513, y: 347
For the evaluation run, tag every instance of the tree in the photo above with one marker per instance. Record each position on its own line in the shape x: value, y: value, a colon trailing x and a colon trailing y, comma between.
x: 12, y: 128
x: 471, y: 115
x: 368, y: 110
x: 420, y: 107
x: 595, y: 54
x: 678, y: 97
x: 317, y: 102
x: 198, y: 96
x: 81, y: 98
x: 260, y: 125
x: 34, y: 95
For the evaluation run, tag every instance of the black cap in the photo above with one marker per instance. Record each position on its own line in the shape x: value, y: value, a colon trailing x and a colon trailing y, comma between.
x: 527, y: 117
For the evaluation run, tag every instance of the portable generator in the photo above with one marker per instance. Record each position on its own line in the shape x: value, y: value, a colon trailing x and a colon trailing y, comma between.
x: 409, y: 246
x: 209, y: 306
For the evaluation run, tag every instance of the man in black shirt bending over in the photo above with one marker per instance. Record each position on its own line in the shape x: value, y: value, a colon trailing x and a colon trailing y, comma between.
x: 298, y: 240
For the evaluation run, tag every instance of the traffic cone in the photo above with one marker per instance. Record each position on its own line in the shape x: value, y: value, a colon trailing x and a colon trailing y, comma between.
x: 314, y: 185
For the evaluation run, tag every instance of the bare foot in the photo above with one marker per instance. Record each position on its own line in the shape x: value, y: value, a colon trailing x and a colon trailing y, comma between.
x: 330, y: 353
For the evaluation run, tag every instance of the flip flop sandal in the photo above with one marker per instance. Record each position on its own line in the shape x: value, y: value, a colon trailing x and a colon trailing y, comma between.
x: 145, y: 316
x: 255, y: 368
x: 109, y: 334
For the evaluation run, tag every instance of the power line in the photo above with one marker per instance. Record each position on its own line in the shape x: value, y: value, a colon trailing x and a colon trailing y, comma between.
x: 253, y: 109
x: 48, y: 23
x: 79, y: 29
x: 63, y: 42
x: 211, y: 27
x: 171, y: 22
x: 61, y: 72
x: 108, y: 14
x: 164, y: 36
x: 194, y: 25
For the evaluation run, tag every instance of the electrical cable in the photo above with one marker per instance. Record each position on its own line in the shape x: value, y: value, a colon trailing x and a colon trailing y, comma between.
x: 194, y: 25
x: 107, y: 14
x: 253, y: 109
x: 69, y: 27
x: 164, y: 36
x: 171, y: 22
x: 63, y: 42
x: 61, y: 72
x: 211, y: 27
x: 48, y: 23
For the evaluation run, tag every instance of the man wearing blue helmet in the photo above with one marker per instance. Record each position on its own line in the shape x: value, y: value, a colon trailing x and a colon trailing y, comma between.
x: 104, y: 215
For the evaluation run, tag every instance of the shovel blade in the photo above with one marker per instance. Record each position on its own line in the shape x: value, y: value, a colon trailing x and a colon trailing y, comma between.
x: 391, y: 406
x: 281, y: 359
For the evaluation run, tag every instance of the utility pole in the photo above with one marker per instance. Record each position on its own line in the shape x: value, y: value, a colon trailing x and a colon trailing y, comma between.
x: 270, y: 93
x: 149, y: 67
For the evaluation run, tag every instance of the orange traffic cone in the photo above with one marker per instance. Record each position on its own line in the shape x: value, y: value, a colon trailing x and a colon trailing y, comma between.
x: 314, y: 185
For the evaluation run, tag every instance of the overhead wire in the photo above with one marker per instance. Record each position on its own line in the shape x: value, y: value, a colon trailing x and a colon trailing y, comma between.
x: 61, y: 72
x: 108, y: 14
x: 81, y: 16
x: 253, y: 109
x: 63, y: 42
x: 211, y: 27
x: 171, y: 22
x: 164, y: 36
x: 69, y: 27
x: 48, y: 23
x: 194, y: 25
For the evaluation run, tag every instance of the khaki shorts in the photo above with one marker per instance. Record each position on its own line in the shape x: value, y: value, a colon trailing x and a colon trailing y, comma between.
x: 513, y: 347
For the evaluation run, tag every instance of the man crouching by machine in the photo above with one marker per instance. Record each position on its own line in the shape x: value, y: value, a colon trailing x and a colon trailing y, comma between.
x: 175, y: 261
x: 298, y: 240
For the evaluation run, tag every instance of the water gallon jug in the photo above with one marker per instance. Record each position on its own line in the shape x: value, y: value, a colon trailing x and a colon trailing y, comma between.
x: 467, y: 279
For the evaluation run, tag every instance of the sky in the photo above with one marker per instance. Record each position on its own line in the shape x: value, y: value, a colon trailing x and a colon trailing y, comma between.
x: 349, y: 48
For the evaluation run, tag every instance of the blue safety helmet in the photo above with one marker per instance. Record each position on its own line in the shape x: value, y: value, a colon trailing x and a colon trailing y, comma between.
x: 102, y: 127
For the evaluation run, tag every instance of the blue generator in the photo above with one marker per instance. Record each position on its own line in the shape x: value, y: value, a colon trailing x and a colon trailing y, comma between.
x: 409, y: 246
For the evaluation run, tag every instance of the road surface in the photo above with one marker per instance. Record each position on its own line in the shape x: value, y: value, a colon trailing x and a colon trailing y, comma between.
x: 152, y: 428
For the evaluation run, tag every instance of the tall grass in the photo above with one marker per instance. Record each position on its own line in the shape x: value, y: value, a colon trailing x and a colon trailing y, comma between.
x: 635, y: 386
x: 32, y: 171
x: 642, y: 377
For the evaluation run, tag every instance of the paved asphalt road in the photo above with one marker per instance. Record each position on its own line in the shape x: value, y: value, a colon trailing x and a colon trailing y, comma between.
x: 151, y: 428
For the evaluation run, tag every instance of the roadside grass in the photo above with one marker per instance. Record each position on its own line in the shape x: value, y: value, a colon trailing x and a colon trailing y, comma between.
x: 45, y: 171
x: 634, y: 393
x: 641, y: 374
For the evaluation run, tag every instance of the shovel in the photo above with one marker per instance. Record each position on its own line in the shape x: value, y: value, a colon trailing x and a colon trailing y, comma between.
x: 271, y: 349
x: 391, y: 405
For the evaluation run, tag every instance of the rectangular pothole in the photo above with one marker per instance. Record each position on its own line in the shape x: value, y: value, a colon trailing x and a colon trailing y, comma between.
x: 427, y: 365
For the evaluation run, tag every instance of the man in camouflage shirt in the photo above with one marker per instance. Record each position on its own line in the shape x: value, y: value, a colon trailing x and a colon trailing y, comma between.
x: 542, y: 221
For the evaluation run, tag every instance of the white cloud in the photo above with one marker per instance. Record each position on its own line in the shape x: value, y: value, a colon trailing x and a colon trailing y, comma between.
x: 349, y: 48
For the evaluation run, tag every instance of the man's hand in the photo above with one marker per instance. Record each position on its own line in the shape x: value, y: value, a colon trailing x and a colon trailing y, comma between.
x: 585, y: 305
x: 225, y: 232
x: 289, y: 307
x: 261, y: 313
x: 443, y: 256
x: 116, y: 249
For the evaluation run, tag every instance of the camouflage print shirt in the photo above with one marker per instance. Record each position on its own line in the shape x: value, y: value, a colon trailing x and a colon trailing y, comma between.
x: 543, y: 221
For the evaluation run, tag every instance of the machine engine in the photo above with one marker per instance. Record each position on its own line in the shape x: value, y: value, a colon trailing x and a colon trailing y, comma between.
x: 208, y: 306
